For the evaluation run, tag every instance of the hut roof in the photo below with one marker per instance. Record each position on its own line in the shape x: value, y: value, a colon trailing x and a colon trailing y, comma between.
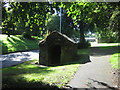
x: 57, y: 34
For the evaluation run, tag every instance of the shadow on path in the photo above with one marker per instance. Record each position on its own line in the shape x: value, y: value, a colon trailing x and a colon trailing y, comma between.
x: 98, y: 51
x: 97, y: 66
x: 86, y: 60
x: 103, y: 83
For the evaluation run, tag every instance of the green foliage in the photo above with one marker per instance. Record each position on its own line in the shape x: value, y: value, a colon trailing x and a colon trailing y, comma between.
x: 54, y: 24
x: 104, y: 15
x: 107, y: 22
x: 21, y: 15
x: 82, y: 15
x: 27, y: 33
x: 85, y: 44
x: 80, y: 12
x: 107, y: 36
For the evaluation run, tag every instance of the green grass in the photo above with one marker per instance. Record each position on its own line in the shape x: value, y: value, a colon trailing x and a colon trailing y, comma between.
x: 108, y: 43
x: 107, y: 47
x: 18, y: 43
x: 104, y: 45
x: 28, y: 75
x: 114, y: 60
x: 83, y: 51
x: 83, y: 54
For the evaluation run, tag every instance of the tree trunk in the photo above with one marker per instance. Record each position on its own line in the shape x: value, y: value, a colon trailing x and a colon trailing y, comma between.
x: 82, y: 36
x: 8, y: 35
x: 118, y: 35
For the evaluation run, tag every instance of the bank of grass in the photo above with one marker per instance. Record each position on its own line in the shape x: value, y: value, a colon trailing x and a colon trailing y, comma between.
x: 30, y: 75
x: 16, y: 43
x: 107, y: 47
x: 109, y: 43
x: 104, y: 45
x: 115, y: 60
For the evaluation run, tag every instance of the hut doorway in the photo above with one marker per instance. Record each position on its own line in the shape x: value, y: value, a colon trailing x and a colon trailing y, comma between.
x: 55, y: 54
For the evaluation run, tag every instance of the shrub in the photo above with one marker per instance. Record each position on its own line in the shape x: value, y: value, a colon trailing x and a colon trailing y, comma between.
x: 85, y: 44
x: 27, y: 35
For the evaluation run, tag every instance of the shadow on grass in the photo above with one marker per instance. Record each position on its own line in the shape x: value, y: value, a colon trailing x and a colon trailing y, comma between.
x: 15, y: 78
x: 39, y: 85
x: 25, y: 85
x: 109, y: 50
x: 11, y: 79
x: 4, y: 47
x: 16, y: 44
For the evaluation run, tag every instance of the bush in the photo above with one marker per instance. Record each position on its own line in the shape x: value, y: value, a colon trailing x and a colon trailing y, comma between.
x: 27, y: 35
x: 85, y: 44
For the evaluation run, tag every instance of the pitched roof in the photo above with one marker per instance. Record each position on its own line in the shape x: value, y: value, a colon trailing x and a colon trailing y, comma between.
x: 58, y: 34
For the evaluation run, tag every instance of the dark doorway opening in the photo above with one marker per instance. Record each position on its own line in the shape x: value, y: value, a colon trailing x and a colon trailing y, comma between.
x: 54, y: 55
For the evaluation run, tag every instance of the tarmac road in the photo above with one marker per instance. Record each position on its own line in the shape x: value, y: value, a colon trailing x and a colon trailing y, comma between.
x: 18, y: 58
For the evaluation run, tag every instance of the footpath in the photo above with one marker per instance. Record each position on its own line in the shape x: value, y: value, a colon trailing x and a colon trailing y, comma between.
x: 97, y: 73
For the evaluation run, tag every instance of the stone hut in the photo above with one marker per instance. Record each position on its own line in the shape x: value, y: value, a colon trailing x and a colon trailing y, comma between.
x: 56, y: 49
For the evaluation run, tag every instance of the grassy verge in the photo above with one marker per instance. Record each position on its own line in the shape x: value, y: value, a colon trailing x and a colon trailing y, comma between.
x: 30, y: 75
x: 115, y: 60
x: 37, y: 76
x: 17, y: 43
x: 104, y: 45
x: 107, y: 47
x: 109, y: 43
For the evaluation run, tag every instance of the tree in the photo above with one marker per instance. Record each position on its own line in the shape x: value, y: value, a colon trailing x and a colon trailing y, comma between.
x: 114, y: 19
x: 108, y: 21
x: 82, y: 14
x: 54, y: 24
x: 87, y: 15
x: 6, y: 20
x: 30, y: 14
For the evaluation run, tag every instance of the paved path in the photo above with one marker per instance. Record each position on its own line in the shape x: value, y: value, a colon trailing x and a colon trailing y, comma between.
x: 97, y: 73
x: 17, y: 58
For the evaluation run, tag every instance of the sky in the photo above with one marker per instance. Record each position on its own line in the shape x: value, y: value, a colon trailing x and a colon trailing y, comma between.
x: 6, y: 5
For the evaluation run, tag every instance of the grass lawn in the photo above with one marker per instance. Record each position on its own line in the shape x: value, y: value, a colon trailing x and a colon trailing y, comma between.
x: 109, y: 43
x: 115, y: 60
x: 104, y: 45
x: 95, y: 44
x: 17, y: 43
x: 107, y: 47
x: 30, y: 75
